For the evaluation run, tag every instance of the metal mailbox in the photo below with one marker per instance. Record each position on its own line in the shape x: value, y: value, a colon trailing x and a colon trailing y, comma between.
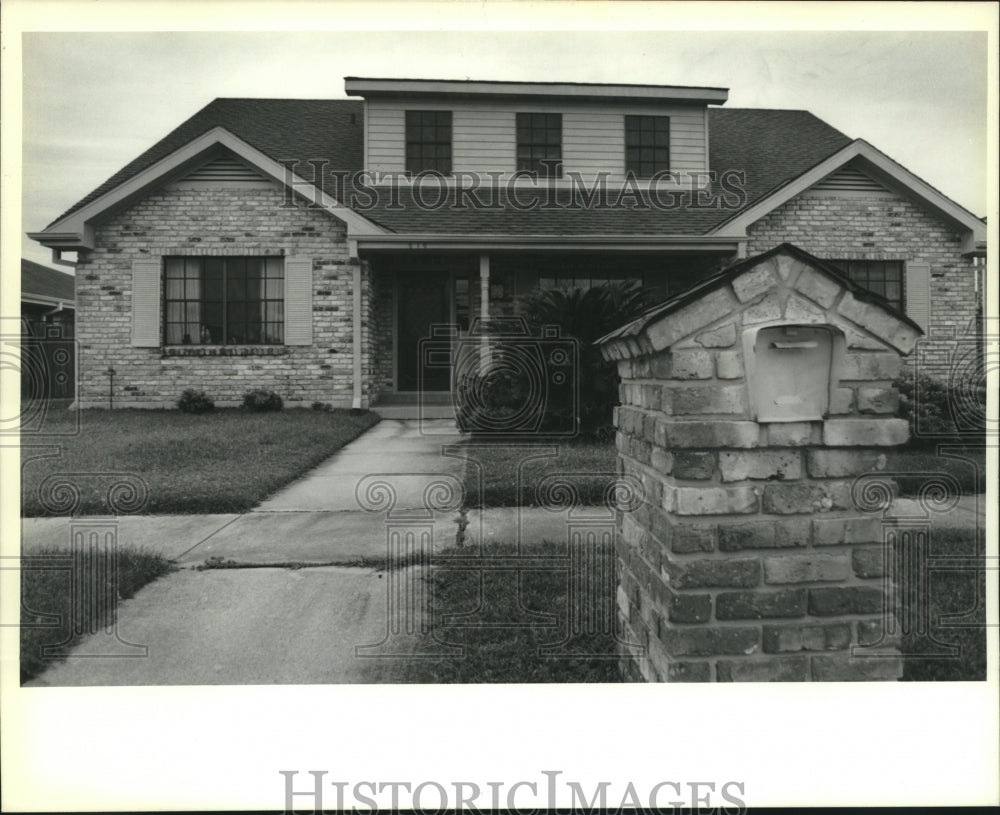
x: 791, y: 372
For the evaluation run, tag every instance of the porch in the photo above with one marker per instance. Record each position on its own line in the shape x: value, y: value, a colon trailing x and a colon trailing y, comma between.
x: 424, y: 306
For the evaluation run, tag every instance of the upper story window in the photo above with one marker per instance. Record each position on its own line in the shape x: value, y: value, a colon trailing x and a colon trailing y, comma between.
x: 647, y: 145
x: 428, y: 141
x: 224, y: 300
x: 881, y: 277
x: 539, y: 144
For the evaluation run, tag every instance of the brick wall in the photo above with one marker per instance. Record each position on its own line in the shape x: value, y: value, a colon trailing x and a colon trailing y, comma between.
x: 884, y: 227
x: 214, y: 221
x: 382, y: 317
x: 748, y: 559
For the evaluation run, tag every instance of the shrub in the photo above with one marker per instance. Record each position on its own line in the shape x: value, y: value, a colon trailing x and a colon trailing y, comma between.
x: 324, y: 407
x: 938, y: 412
x: 193, y: 401
x: 262, y: 400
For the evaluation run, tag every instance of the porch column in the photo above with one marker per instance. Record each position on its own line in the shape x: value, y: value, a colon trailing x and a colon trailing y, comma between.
x: 484, y: 309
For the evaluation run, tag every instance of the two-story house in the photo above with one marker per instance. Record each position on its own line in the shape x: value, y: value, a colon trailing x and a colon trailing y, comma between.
x: 308, y: 246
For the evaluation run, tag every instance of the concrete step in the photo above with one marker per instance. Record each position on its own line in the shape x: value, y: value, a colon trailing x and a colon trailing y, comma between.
x: 414, y: 411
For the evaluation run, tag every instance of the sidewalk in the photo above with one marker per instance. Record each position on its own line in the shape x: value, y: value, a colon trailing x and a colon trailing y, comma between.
x: 267, y: 624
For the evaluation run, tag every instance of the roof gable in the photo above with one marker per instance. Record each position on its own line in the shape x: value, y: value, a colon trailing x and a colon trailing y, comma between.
x: 861, y: 156
x: 76, y: 227
x: 283, y: 129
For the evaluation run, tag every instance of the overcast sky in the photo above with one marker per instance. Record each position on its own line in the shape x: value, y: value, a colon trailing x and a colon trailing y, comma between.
x: 93, y: 101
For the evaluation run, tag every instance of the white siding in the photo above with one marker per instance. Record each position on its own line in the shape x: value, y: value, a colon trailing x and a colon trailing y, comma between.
x: 484, y: 137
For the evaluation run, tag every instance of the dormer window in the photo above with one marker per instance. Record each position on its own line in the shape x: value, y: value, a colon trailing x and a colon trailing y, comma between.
x: 647, y: 145
x: 539, y: 144
x: 428, y: 141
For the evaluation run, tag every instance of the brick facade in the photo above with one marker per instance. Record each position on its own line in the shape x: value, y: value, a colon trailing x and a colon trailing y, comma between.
x: 884, y: 226
x: 206, y: 220
x: 749, y: 558
x: 215, y: 221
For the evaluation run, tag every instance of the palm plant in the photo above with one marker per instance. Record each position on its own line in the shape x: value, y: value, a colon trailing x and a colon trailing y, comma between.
x: 587, y: 315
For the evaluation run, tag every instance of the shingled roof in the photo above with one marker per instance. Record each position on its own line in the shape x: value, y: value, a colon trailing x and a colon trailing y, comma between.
x: 772, y: 147
x: 45, y: 283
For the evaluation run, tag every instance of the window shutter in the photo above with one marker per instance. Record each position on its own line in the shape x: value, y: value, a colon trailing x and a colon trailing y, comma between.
x: 146, y: 302
x: 298, y: 301
x: 918, y: 293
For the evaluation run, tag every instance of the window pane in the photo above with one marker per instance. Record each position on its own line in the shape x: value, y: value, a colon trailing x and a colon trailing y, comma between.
x: 881, y: 277
x: 235, y: 287
x: 275, y: 267
x: 223, y: 300
x: 647, y: 143
x: 272, y: 288
x: 428, y: 141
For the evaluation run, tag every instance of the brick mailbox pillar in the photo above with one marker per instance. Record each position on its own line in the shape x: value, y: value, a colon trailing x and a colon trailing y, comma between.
x: 749, y: 406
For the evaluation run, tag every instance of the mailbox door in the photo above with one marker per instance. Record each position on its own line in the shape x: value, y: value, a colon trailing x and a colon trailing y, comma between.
x: 792, y: 373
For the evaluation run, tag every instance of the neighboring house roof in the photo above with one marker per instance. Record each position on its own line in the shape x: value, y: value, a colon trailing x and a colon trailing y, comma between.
x: 40, y: 284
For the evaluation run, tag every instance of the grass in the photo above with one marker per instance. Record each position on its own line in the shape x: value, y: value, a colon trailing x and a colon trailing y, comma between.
x: 952, y: 592
x: 509, y: 600
x: 226, y: 461
x: 51, y: 614
x: 501, y: 460
x: 510, y: 475
x: 970, y: 475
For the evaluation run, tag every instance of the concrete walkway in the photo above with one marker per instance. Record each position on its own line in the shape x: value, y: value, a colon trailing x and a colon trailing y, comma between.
x: 406, y: 455
x: 266, y: 624
x: 241, y: 627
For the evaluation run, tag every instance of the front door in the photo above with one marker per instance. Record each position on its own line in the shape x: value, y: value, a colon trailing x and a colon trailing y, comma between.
x: 423, y: 300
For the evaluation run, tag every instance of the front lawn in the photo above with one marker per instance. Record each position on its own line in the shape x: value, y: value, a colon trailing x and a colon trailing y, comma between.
x: 589, y: 466
x: 512, y: 473
x: 969, y: 472
x: 225, y: 461
x: 513, y: 621
x: 54, y: 612
x: 954, y: 608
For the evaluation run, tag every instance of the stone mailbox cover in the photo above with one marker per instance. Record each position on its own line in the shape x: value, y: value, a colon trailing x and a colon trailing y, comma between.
x: 749, y: 405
